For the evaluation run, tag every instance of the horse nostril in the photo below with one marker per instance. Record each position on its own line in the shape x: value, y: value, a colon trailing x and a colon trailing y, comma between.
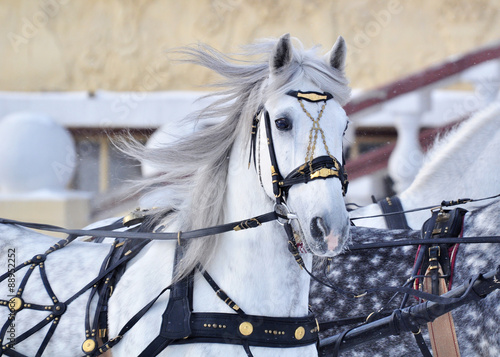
x: 319, y: 229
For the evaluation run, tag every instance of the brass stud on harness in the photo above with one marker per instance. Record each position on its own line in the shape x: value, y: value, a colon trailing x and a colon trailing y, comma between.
x: 16, y: 304
x: 89, y: 345
x: 300, y: 333
x: 246, y: 328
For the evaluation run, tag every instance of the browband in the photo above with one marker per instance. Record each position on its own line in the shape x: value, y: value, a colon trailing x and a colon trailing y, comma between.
x: 310, y: 96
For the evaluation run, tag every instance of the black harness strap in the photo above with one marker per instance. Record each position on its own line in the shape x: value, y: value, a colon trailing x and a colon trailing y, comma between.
x: 409, y: 318
x: 130, y: 323
x: 90, y: 329
x: 448, y: 224
x: 197, y: 233
x: 442, y: 224
x: 263, y: 331
x: 54, y: 311
x: 221, y: 294
x: 17, y: 303
x: 396, y: 220
x: 176, y: 320
x: 120, y: 248
x: 238, y: 328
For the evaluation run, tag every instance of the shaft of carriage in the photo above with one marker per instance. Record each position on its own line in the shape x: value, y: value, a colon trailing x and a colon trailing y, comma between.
x: 411, y: 318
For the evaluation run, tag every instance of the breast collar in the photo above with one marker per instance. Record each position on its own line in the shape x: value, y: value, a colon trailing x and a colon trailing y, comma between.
x: 180, y: 325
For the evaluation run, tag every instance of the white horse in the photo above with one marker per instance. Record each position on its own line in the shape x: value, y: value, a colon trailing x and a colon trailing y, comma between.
x: 462, y: 164
x: 212, y: 183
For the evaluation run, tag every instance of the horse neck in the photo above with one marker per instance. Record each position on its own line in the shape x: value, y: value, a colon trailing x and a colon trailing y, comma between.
x: 254, y: 266
x: 466, y: 155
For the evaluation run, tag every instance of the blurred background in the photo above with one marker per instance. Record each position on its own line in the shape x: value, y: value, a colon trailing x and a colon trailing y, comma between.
x: 76, y: 72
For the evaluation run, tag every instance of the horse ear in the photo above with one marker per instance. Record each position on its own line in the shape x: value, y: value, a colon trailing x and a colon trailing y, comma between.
x: 337, y: 54
x: 282, y: 54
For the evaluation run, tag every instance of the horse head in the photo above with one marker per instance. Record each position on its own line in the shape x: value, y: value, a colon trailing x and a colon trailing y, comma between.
x: 303, y: 123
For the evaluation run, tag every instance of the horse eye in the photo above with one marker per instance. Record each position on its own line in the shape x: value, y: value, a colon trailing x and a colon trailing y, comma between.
x: 283, y: 124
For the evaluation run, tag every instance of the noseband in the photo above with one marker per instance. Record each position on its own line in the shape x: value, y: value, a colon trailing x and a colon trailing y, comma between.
x: 321, y: 167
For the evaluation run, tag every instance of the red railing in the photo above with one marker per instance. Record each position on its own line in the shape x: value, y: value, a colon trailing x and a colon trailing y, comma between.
x: 377, y: 159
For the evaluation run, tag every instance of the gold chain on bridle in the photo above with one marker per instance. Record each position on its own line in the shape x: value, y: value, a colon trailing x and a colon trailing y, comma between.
x: 314, y: 131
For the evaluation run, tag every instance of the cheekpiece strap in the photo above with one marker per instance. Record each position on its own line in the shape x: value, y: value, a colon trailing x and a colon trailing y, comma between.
x: 253, y: 141
x: 275, y: 172
x: 310, y: 96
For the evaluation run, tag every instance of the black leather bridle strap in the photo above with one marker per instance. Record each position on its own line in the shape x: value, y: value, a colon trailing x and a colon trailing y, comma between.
x: 322, y: 167
x: 253, y: 140
x: 275, y: 171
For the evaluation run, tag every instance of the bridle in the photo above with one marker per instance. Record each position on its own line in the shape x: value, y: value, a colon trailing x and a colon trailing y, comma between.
x: 321, y: 167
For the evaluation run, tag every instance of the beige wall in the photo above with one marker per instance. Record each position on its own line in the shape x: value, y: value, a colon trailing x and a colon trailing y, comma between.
x: 118, y: 44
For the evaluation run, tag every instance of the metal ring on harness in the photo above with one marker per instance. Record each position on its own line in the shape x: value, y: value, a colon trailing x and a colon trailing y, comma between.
x: 284, y: 214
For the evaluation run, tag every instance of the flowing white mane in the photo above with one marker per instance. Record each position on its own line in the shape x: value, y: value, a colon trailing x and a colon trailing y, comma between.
x: 195, y: 168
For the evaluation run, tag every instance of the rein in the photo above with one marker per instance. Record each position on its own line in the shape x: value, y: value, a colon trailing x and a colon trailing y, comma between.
x: 197, y: 233
x: 451, y: 203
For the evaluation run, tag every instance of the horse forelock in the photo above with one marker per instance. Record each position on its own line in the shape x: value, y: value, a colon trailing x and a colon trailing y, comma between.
x: 195, y: 168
